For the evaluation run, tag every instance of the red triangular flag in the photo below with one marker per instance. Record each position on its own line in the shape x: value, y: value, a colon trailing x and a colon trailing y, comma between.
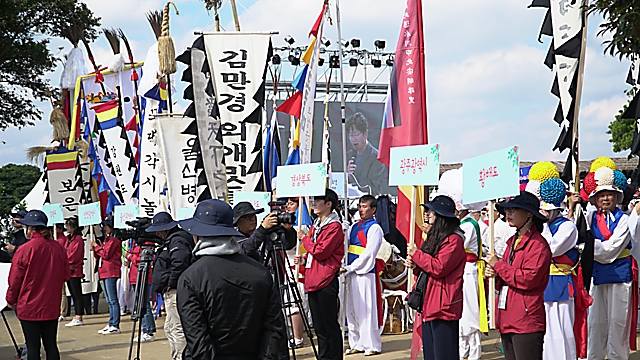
x: 292, y: 106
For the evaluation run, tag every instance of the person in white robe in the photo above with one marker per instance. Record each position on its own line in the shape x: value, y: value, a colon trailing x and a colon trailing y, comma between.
x: 365, y: 238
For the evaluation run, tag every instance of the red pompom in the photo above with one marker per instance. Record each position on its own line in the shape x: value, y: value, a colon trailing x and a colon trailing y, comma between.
x: 134, y: 75
x: 99, y: 78
x: 589, y: 184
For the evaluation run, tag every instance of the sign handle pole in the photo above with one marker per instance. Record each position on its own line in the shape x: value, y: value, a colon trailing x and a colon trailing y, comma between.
x: 300, y: 204
x: 55, y: 232
x: 492, y: 281
x: 412, y: 231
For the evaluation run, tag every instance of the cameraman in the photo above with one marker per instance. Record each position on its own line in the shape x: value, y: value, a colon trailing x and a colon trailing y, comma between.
x: 245, y: 220
x: 171, y: 261
x: 19, y: 237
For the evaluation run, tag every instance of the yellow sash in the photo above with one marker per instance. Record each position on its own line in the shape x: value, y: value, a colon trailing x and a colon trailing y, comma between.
x: 482, y: 300
x: 355, y: 249
x: 625, y: 253
x: 561, y: 269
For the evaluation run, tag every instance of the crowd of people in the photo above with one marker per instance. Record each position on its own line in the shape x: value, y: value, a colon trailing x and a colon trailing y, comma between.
x: 221, y: 263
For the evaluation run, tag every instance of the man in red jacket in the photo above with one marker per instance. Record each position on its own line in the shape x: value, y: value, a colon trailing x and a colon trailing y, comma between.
x: 325, y: 250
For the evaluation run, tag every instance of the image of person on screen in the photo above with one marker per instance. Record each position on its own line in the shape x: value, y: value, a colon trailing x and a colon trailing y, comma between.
x: 365, y: 171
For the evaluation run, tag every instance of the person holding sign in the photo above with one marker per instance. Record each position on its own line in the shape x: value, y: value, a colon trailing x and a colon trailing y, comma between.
x: 39, y: 269
x: 325, y: 250
x: 110, y: 255
x: 75, y: 254
x: 521, y: 278
x: 615, y: 288
x: 442, y: 259
x: 363, y: 296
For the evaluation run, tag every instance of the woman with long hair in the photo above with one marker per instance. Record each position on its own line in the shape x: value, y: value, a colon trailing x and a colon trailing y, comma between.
x: 75, y: 254
x: 442, y: 258
x: 521, y: 279
x: 38, y: 271
x: 109, y: 252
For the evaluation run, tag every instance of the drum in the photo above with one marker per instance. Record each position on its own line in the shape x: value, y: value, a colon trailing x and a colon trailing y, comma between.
x: 385, y: 252
x: 394, y: 275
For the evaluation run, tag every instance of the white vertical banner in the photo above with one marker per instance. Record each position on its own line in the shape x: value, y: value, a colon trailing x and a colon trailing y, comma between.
x: 308, y: 98
x: 238, y: 65
x: 179, y: 161
x: 208, y: 129
x: 152, y: 170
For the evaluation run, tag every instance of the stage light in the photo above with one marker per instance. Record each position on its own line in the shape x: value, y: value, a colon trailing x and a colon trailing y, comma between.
x: 389, y: 61
x: 380, y: 44
x: 320, y: 61
x: 275, y: 60
x: 377, y: 63
x: 353, y: 62
x: 294, y: 60
x: 289, y: 40
x: 355, y: 43
x: 326, y: 42
x: 334, y: 62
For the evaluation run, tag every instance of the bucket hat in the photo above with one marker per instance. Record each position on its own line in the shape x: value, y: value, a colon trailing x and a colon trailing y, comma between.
x: 244, y: 208
x: 443, y: 206
x: 526, y: 201
x: 211, y: 218
x: 162, y: 221
x: 34, y: 218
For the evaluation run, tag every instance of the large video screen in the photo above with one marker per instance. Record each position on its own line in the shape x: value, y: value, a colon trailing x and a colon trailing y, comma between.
x: 366, y: 175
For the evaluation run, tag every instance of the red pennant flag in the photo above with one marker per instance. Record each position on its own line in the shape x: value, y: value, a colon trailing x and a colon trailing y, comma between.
x: 316, y: 26
x: 292, y: 106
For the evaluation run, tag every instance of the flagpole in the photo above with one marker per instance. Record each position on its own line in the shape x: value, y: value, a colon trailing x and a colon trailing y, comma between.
x: 344, y: 146
x: 492, y: 280
x: 575, y: 143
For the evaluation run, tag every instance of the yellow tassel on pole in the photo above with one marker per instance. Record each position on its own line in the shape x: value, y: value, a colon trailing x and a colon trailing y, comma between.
x: 166, y: 49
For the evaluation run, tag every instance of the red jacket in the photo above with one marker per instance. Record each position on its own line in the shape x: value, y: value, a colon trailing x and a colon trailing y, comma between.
x: 38, y: 270
x: 110, y: 253
x: 527, y: 278
x: 134, y: 259
x: 327, y: 252
x: 62, y: 239
x: 443, y: 294
x: 75, y: 253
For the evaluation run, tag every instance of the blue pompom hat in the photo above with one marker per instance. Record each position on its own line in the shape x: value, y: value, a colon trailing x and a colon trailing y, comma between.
x: 552, y: 194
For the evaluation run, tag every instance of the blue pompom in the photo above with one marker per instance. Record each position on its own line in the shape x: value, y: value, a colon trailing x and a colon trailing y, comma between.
x: 553, y: 191
x: 619, y: 180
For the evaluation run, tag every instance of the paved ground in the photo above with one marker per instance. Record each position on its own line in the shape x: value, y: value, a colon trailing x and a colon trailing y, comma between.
x: 85, y: 343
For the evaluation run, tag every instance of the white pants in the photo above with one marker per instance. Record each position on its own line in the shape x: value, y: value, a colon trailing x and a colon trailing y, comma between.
x: 609, y: 322
x: 559, y: 339
x: 173, y: 326
x: 470, y: 347
x: 362, y: 313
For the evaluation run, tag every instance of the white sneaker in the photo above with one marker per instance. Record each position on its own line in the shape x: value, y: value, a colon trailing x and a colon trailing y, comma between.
x: 147, y: 338
x: 75, y: 322
x: 61, y: 318
x: 101, y: 331
x: 112, y: 330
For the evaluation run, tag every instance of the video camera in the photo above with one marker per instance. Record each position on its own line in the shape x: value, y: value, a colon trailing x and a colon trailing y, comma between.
x: 138, y: 232
x: 283, y: 217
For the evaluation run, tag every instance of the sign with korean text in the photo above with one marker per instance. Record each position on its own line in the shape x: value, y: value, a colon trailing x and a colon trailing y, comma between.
x: 302, y: 180
x: 89, y: 214
x: 54, y: 213
x: 491, y: 176
x: 123, y: 214
x: 185, y: 213
x: 258, y: 199
x: 414, y: 165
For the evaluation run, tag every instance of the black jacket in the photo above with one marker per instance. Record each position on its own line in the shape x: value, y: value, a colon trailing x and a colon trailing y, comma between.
x: 230, y: 309
x: 172, y: 260
x: 252, y: 245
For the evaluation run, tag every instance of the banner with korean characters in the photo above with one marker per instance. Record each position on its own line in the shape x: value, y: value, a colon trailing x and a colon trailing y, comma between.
x: 491, y: 176
x: 258, y: 199
x: 124, y: 214
x: 89, y: 214
x: 302, y: 180
x: 54, y: 214
x: 414, y: 165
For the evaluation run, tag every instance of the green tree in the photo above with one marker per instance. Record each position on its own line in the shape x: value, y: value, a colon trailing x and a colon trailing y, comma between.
x: 15, y: 183
x: 26, y: 27
x: 621, y: 21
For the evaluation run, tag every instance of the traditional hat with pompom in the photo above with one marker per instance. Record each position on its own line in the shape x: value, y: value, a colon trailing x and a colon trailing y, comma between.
x: 543, y: 171
x: 603, y: 161
x: 552, y: 194
x: 605, y: 178
x: 533, y: 186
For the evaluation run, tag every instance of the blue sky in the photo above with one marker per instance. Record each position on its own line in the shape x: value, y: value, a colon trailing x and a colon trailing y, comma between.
x: 487, y: 86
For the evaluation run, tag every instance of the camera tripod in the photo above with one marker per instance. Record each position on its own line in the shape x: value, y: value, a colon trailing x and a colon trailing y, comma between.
x: 289, y: 294
x: 141, y: 299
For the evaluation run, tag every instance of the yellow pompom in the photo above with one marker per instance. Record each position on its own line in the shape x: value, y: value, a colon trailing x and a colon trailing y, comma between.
x: 603, y: 161
x: 543, y: 171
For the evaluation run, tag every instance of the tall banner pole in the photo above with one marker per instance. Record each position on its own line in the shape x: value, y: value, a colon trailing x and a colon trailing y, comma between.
x: 412, y: 230
x: 300, y: 204
x: 575, y: 142
x: 344, y: 153
x: 492, y: 281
